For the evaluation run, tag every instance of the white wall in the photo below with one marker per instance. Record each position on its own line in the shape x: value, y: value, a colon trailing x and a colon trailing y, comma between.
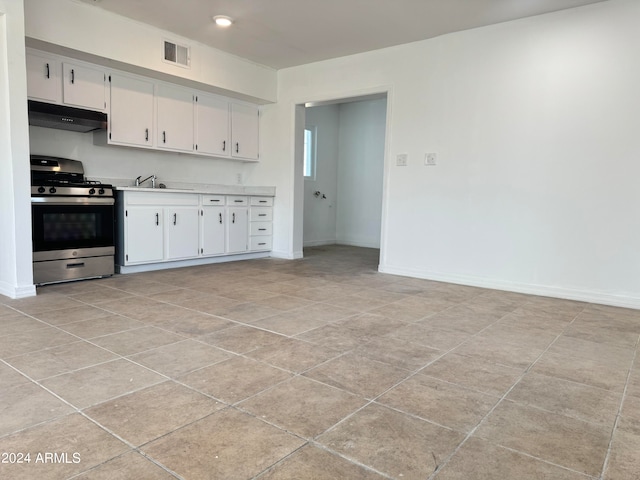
x: 360, y: 172
x: 137, y: 47
x: 319, y: 213
x: 16, y: 276
x: 111, y: 162
x: 535, y: 123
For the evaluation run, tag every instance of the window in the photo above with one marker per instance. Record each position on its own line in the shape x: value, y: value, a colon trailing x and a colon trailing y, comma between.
x: 310, y: 153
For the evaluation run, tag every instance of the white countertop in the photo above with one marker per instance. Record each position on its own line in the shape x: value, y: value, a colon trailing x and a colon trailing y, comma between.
x: 180, y: 187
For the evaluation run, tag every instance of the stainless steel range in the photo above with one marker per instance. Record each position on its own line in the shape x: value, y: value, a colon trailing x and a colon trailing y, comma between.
x: 72, y: 222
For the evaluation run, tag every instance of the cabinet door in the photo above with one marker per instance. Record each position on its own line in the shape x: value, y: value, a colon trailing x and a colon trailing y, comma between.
x: 83, y: 86
x: 182, y: 232
x: 43, y: 78
x: 244, y: 131
x: 212, y: 126
x: 175, y: 118
x: 143, y: 235
x: 213, y: 220
x: 131, y: 113
x: 237, y: 229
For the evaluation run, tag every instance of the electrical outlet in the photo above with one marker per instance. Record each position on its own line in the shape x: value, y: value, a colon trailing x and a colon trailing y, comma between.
x: 402, y: 159
x: 239, y: 178
x: 430, y: 159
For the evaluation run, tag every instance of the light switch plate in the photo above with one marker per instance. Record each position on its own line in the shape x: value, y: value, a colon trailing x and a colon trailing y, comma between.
x: 402, y: 159
x: 430, y: 159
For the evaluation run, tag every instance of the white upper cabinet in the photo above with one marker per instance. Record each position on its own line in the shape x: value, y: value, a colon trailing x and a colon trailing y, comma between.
x: 175, y: 118
x: 131, y: 114
x: 244, y: 131
x: 43, y: 78
x: 83, y: 86
x: 212, y: 126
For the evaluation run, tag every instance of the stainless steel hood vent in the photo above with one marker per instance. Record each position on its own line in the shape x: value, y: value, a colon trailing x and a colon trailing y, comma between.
x: 65, y: 118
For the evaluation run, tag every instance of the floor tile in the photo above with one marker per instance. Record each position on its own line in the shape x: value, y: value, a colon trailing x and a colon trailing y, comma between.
x: 21, y: 343
x: 242, y: 339
x: 73, y: 436
x: 235, y: 379
x: 474, y: 373
x: 125, y: 467
x: 402, y: 447
x: 138, y: 340
x: 480, y: 460
x: 302, y: 406
x: 147, y: 414
x: 624, y: 461
x: 179, y: 358
x: 555, y: 438
x: 194, y: 324
x: 293, y: 355
x: 597, y: 372
x: 14, y: 323
x: 434, y: 337
x: 68, y: 315
x: 358, y: 374
x: 399, y: 353
x: 97, y: 384
x: 572, y: 399
x: 26, y: 405
x: 317, y: 464
x: 62, y: 359
x: 227, y: 444
x: 440, y: 402
x: 9, y: 377
x: 98, y: 327
x: 497, y: 351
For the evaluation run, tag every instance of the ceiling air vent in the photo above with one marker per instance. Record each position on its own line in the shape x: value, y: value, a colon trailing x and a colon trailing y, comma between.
x: 177, y: 54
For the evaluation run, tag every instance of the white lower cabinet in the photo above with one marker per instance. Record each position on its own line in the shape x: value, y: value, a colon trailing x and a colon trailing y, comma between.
x: 182, y: 226
x: 144, y: 238
x: 237, y: 229
x: 157, y: 227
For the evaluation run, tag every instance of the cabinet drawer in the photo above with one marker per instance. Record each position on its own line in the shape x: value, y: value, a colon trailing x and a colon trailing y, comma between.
x: 261, y: 214
x: 213, y: 200
x: 158, y: 198
x: 261, y: 228
x: 262, y: 201
x: 237, y: 201
x: 261, y: 243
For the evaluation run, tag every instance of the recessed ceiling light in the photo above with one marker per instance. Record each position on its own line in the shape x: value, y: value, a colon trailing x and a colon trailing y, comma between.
x: 223, y: 20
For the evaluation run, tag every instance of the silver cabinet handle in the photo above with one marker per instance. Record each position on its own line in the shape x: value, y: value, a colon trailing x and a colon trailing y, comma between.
x: 164, y: 137
x: 233, y: 218
x: 220, y: 218
x: 237, y: 147
x: 224, y: 145
x: 157, y: 219
x: 73, y: 76
x: 146, y: 134
x: 175, y: 218
x: 48, y: 74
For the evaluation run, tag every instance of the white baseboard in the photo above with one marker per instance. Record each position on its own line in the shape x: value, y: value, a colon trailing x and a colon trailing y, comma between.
x: 588, y: 296
x: 13, y: 291
x: 319, y: 243
x: 149, y: 267
x: 286, y: 255
x: 357, y: 242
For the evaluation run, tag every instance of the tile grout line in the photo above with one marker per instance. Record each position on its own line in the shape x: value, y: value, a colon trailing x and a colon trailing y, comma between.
x: 499, y: 402
x: 605, y: 464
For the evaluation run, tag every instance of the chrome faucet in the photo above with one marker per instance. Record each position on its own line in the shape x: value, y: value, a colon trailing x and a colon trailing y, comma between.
x: 140, y: 182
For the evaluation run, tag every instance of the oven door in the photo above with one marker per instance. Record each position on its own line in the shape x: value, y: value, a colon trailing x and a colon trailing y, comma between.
x: 67, y: 227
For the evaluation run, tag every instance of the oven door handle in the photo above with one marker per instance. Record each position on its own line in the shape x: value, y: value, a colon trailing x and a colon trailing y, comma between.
x: 73, y: 200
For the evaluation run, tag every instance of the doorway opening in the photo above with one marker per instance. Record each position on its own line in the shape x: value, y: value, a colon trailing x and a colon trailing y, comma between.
x: 340, y: 147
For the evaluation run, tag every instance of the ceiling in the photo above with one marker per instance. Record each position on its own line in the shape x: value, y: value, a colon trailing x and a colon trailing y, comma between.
x: 285, y: 33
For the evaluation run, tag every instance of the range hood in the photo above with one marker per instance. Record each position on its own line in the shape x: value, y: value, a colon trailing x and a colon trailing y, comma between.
x: 65, y: 118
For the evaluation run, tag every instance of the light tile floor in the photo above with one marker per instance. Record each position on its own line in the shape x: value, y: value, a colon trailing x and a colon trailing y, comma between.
x: 320, y: 368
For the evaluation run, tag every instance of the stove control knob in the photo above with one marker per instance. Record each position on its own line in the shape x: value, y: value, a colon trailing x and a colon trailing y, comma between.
x: 52, y: 190
x: 101, y: 191
x: 41, y: 189
x: 92, y: 191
